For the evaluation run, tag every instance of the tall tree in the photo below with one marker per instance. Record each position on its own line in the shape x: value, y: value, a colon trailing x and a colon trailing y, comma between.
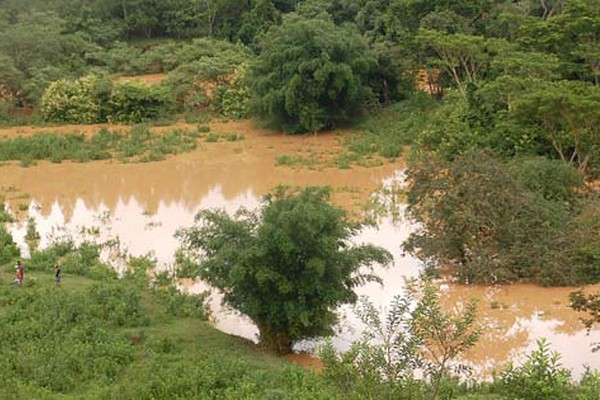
x: 288, y: 267
x: 310, y: 75
x: 568, y: 115
x: 463, y: 57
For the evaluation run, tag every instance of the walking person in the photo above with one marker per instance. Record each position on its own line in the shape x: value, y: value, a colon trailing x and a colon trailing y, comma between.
x: 57, y: 274
x: 20, y: 272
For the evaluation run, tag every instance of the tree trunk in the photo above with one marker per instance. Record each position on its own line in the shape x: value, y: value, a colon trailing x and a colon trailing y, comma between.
x: 277, y: 342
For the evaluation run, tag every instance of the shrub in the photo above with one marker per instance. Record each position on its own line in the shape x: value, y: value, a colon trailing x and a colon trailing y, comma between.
x: 8, y: 248
x: 232, y: 98
x: 540, y: 377
x: 134, y: 103
x: 96, y: 99
x: 71, y: 101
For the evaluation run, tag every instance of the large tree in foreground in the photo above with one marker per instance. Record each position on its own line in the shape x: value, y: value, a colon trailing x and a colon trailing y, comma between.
x: 310, y: 75
x: 287, y: 266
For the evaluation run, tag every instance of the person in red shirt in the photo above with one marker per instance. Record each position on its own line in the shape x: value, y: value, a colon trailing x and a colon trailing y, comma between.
x: 20, y: 272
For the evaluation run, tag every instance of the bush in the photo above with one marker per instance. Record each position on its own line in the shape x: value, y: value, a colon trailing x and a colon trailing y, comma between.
x: 44, y: 260
x: 132, y: 103
x: 8, y: 248
x: 71, y: 101
x: 540, y: 377
x: 232, y: 98
x: 94, y: 99
x: 478, y: 218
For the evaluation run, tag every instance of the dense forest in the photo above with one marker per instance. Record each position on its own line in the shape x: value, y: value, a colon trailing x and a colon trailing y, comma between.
x: 498, y: 101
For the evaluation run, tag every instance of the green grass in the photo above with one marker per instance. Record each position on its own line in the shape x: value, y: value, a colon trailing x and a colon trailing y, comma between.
x: 113, y: 339
x: 296, y: 160
x: 139, y: 144
x: 387, y: 132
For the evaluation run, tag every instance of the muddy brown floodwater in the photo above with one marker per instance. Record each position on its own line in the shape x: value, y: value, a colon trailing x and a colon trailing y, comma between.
x: 144, y: 204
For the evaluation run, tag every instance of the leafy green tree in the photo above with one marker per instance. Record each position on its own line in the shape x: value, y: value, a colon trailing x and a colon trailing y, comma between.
x: 310, y: 75
x: 463, y: 57
x: 568, y: 116
x: 257, y: 22
x: 573, y: 35
x: 287, y: 266
x: 476, y: 217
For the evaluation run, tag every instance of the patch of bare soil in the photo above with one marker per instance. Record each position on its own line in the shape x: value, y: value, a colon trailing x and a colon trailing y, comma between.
x: 148, y: 79
x: 306, y: 361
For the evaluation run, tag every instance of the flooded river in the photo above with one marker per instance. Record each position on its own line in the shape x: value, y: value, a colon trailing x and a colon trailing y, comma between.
x: 144, y: 204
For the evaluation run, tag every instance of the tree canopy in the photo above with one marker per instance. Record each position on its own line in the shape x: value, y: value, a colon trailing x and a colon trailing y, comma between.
x: 310, y: 74
x: 287, y: 266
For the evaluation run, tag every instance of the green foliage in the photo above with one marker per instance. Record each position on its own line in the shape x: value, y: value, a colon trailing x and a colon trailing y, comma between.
x: 91, y: 339
x: 71, y: 102
x: 32, y: 236
x: 415, y: 334
x: 95, y: 99
x: 291, y: 265
x: 232, y: 98
x: 310, y: 75
x: 463, y: 57
x: 568, y: 116
x: 478, y: 218
x: 294, y: 160
x: 212, y: 75
x: 586, y: 248
x: 49, y: 337
x: 5, y: 215
x: 540, y: 377
x: 552, y: 179
x: 386, y: 132
x: 132, y: 103
x: 45, y: 259
x: 443, y: 335
x: 82, y: 260
x: 139, y: 144
x: 8, y: 248
x: 589, y: 304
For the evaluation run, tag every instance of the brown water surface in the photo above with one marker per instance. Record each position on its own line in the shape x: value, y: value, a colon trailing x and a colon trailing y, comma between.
x: 144, y: 204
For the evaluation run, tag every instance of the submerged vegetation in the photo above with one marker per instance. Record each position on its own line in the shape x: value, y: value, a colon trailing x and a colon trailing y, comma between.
x: 139, y: 144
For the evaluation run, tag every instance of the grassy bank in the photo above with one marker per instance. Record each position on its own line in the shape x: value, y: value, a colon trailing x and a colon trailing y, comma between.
x: 110, y: 339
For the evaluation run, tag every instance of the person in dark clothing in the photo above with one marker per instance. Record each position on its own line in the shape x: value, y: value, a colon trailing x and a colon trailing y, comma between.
x: 57, y: 274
